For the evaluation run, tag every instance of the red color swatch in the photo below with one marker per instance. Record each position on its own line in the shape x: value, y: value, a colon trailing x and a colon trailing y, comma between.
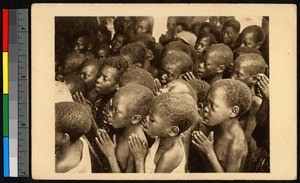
x: 5, y: 30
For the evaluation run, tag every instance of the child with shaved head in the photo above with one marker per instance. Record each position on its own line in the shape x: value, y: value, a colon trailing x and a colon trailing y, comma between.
x: 214, y: 61
x: 253, y: 36
x: 170, y: 115
x: 225, y: 149
x: 72, y: 121
x: 129, y: 106
x: 139, y: 76
x: 174, y: 65
x: 135, y: 54
x: 246, y: 69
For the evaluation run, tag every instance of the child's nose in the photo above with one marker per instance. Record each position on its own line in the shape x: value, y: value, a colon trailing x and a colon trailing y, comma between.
x: 164, y: 76
x: 242, y: 45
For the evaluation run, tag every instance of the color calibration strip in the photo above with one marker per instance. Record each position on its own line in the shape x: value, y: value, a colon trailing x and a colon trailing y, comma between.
x: 5, y: 32
x: 15, y: 93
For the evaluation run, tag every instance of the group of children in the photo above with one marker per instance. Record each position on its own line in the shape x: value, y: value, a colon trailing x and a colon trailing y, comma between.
x: 196, y: 101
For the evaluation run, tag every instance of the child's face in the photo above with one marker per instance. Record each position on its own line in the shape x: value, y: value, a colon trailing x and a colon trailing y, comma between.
x: 175, y: 86
x: 89, y: 74
x: 229, y: 35
x: 155, y: 125
x: 119, y: 113
x: 216, y: 109
x: 202, y: 44
x: 142, y: 27
x: 169, y: 73
x: 171, y: 23
x: 178, y: 29
x: 67, y: 67
x: 240, y: 73
x: 117, y: 42
x: 102, y: 53
x: 248, y: 40
x: 107, y: 81
x: 59, y: 138
x: 208, y: 67
x: 80, y: 44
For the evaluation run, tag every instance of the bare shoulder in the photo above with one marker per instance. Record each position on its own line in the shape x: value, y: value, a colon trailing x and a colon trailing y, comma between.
x: 238, y: 138
x: 170, y: 159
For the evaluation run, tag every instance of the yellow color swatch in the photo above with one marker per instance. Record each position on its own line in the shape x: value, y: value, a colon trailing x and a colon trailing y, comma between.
x: 5, y: 72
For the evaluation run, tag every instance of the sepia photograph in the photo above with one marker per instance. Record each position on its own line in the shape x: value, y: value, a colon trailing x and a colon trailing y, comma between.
x: 157, y: 92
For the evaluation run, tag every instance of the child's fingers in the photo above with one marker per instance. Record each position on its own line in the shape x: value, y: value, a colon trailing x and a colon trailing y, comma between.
x: 75, y: 98
x: 202, y: 136
x: 189, y: 75
x: 196, y: 144
x: 98, y: 142
x: 82, y: 98
x: 114, y: 139
x: 211, y: 136
x: 197, y: 138
x: 78, y: 97
x: 184, y: 77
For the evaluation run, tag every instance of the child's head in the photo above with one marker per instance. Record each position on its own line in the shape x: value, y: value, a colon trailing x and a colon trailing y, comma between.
x: 83, y: 42
x: 230, y: 32
x: 148, y: 41
x: 214, y: 20
x: 118, y: 41
x: 170, y: 115
x: 174, y: 47
x: 215, y: 59
x: 208, y: 27
x: 89, y: 72
x: 171, y: 23
x: 196, y: 27
x: 179, y: 86
x: 129, y: 105
x: 103, y: 34
x: 134, y: 53
x: 110, y: 74
x: 71, y: 63
x: 144, y: 25
x: 72, y: 120
x: 101, y: 50
x: 226, y: 99
x: 174, y: 65
x: 201, y: 88
x: 245, y: 50
x: 204, y: 40
x: 181, y: 26
x: 139, y: 76
x: 253, y: 36
x: 75, y: 84
x: 245, y: 67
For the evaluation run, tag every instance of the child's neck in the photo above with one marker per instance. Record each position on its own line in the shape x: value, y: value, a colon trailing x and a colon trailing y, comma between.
x: 213, y: 79
x: 169, y: 141
x: 227, y: 125
x: 70, y: 150
x: 131, y: 129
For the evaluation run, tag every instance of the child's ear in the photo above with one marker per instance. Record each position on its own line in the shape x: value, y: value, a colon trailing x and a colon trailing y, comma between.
x: 117, y: 86
x: 174, y: 131
x: 89, y: 47
x: 66, y: 138
x: 258, y: 45
x: 234, y: 111
x: 136, y: 119
x: 221, y: 68
x: 138, y: 65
